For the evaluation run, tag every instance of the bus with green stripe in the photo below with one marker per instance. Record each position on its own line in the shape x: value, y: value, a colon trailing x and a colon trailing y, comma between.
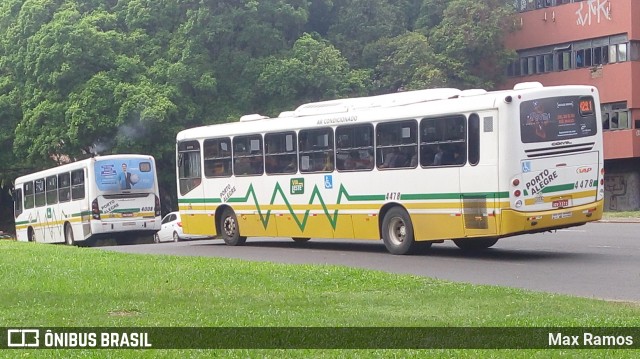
x: 114, y: 196
x: 410, y: 168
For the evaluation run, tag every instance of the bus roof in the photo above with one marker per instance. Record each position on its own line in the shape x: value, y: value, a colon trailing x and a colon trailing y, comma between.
x: 409, y: 104
x: 76, y: 165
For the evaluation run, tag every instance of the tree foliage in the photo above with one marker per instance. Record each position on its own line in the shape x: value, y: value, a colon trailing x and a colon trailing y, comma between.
x: 124, y: 76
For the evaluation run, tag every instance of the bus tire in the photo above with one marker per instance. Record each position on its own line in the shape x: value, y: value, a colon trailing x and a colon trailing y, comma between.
x: 397, y: 231
x: 230, y: 228
x: 68, y: 235
x: 300, y: 239
x: 176, y: 237
x: 31, y: 236
x: 156, y: 238
x: 475, y: 244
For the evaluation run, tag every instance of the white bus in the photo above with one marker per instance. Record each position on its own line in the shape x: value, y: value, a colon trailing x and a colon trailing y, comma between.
x: 412, y: 168
x: 113, y: 196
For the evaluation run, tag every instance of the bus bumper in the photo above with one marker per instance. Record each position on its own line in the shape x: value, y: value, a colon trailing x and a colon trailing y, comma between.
x: 514, y: 222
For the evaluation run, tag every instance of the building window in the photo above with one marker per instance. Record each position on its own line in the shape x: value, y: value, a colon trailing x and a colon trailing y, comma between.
x: 615, y: 116
x: 601, y: 55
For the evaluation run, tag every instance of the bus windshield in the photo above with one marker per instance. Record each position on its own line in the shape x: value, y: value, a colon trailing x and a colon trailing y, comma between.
x: 130, y: 174
x: 557, y: 118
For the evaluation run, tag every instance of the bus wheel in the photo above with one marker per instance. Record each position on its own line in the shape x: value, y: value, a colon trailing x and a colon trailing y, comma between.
x: 397, y: 231
x: 156, y: 238
x: 230, y: 229
x: 300, y: 239
x: 477, y: 244
x: 31, y: 236
x: 68, y: 235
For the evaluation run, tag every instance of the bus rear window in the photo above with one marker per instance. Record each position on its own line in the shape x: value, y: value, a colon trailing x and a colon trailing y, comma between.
x: 557, y: 118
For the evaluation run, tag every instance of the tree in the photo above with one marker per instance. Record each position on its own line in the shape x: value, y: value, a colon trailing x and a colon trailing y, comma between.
x: 314, y: 70
x: 403, y: 62
x: 469, y: 41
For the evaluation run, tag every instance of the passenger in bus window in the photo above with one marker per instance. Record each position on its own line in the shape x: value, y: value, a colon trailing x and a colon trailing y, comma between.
x: 242, y: 166
x: 287, y: 164
x: 391, y: 158
x: 437, y: 158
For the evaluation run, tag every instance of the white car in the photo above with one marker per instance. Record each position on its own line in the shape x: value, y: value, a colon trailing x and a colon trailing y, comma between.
x: 171, y: 230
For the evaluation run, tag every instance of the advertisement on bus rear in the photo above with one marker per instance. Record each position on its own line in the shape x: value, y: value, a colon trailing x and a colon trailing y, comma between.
x: 557, y: 118
x: 124, y: 174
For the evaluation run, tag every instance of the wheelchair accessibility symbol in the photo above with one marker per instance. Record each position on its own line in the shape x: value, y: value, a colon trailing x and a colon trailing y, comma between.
x: 328, y: 181
x: 526, y: 166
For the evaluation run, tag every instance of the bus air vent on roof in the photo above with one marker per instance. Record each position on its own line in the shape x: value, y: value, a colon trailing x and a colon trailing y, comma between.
x: 252, y: 117
x: 472, y: 92
x: 527, y: 85
x: 287, y: 114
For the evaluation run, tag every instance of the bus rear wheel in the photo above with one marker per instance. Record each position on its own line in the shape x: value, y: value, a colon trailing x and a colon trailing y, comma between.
x: 68, y: 235
x: 31, y: 236
x: 230, y: 229
x: 475, y: 244
x: 397, y: 231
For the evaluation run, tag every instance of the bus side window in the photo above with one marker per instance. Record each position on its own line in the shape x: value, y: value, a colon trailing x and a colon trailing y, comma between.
x: 280, y: 153
x: 354, y: 147
x: 77, y: 184
x: 474, y: 138
x: 40, y: 196
x: 17, y: 200
x: 52, y: 189
x: 29, y: 197
x: 316, y: 150
x: 397, y: 145
x: 64, y: 187
x: 217, y: 157
x: 443, y: 141
x: 248, y: 155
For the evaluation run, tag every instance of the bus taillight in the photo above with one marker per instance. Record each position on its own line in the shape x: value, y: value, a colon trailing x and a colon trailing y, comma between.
x: 157, y: 207
x: 95, y: 209
x: 515, y: 182
x: 517, y: 193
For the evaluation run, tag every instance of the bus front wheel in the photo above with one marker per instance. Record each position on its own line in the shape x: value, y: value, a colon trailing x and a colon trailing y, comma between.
x: 68, y: 235
x: 475, y: 244
x: 230, y: 229
x: 397, y: 231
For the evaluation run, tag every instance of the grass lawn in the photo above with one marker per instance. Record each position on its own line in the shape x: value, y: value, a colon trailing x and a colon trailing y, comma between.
x: 47, y: 285
x: 621, y: 214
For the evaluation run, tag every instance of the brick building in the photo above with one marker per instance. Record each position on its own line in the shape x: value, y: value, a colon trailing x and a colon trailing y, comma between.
x: 590, y: 42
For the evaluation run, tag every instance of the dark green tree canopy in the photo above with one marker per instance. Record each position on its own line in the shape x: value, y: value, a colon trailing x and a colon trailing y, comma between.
x: 126, y: 75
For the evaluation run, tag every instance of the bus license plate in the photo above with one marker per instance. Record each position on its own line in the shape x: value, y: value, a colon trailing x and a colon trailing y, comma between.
x: 560, y: 203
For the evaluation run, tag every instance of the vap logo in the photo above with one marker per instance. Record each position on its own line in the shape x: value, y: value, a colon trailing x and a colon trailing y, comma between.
x: 23, y: 338
x: 526, y: 166
x: 582, y: 170
x: 328, y: 181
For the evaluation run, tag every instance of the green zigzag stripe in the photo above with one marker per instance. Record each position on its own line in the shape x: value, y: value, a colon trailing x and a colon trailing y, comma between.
x: 333, y: 219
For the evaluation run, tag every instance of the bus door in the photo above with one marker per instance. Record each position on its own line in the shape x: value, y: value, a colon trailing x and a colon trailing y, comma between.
x: 479, y: 176
x: 194, y: 205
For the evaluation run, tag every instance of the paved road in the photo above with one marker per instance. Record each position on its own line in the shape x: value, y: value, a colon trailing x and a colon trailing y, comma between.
x: 598, y: 260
